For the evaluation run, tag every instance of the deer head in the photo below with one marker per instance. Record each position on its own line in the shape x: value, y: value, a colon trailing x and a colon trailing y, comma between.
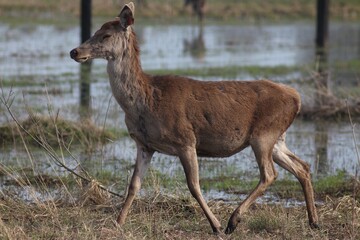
x: 109, y: 41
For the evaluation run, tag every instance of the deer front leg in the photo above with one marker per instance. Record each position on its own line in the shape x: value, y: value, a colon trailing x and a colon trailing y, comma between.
x: 189, y: 162
x: 143, y: 159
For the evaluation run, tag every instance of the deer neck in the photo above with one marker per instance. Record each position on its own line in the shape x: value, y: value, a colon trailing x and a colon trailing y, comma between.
x: 127, y: 80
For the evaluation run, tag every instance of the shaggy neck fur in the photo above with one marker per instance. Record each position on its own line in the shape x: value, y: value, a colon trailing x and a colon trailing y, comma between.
x: 128, y: 81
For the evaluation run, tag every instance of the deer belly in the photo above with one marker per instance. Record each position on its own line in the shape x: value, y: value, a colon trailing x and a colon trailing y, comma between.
x: 220, y: 147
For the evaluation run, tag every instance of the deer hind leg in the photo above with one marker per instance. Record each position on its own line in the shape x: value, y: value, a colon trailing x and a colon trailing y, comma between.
x: 262, y: 148
x: 300, y: 169
x: 143, y: 159
x: 189, y: 162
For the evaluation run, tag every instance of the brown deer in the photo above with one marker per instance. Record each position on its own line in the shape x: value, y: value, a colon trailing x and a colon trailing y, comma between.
x: 188, y: 118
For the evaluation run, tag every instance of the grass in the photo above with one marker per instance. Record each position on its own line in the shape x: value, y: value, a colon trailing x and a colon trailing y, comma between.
x: 37, y: 80
x: 330, y: 186
x: 265, y: 222
x: 350, y: 65
x: 81, y: 210
x: 165, y: 10
x: 232, y: 72
x: 229, y: 72
x: 335, y: 186
x: 51, y: 131
x: 77, y: 209
x: 229, y: 184
x: 339, y: 184
x: 161, y: 216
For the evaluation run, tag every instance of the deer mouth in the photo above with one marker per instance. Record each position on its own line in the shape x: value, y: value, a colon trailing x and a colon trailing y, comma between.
x: 82, y: 59
x: 77, y: 56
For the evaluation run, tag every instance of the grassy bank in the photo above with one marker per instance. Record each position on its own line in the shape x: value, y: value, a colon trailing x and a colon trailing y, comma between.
x: 159, y: 216
x: 53, y: 131
x: 168, y: 9
x: 39, y: 206
x: 44, y: 207
x: 334, y: 186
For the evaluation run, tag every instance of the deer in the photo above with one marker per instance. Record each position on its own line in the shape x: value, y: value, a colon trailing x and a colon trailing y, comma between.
x: 189, y: 118
x: 197, y: 6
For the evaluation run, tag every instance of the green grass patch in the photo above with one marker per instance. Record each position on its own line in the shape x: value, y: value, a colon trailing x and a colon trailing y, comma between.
x: 230, y: 71
x: 348, y: 92
x: 228, y: 184
x: 37, y: 80
x: 155, y: 179
x: 285, y: 188
x: 119, y: 133
x: 351, y: 65
x: 335, y: 186
x: 21, y: 81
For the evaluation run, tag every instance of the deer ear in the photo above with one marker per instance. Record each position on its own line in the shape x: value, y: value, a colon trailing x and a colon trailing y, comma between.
x: 126, y: 15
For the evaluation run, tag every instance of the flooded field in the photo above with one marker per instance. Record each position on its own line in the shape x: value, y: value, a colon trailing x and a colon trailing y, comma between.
x: 36, y: 66
x: 179, y: 46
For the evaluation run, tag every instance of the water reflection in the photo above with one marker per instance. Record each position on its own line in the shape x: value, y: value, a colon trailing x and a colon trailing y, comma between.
x: 163, y: 48
x: 321, y: 99
x: 85, y: 92
x: 321, y: 144
x: 196, y: 45
x: 326, y: 146
x: 323, y: 78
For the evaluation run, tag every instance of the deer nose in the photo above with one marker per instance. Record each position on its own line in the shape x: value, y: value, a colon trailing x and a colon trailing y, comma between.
x: 73, y: 53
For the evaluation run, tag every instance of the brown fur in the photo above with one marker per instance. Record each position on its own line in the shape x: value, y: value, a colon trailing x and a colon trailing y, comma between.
x: 185, y: 117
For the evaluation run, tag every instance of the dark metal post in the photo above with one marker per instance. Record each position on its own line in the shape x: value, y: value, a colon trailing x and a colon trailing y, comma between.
x: 322, y: 29
x: 85, y: 20
x: 322, y: 22
x: 85, y: 68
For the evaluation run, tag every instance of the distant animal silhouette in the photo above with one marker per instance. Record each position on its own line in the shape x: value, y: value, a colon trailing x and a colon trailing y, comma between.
x: 197, y: 6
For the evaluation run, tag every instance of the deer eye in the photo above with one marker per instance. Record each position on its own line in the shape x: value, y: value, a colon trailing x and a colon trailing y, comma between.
x: 106, y: 36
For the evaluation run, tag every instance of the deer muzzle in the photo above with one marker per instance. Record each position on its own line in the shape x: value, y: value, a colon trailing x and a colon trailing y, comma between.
x: 79, y: 56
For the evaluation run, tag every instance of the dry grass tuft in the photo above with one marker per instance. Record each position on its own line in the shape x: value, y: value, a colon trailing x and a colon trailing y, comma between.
x: 335, y: 207
x: 326, y: 103
x: 345, y: 212
x: 50, y: 131
x: 92, y: 194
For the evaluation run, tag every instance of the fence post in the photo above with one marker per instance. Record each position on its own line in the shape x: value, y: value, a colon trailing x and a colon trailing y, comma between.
x: 85, y: 68
x: 85, y: 20
x: 322, y: 22
x: 322, y: 30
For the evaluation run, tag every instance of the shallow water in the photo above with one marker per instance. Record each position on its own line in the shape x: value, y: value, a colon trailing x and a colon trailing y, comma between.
x: 326, y: 146
x: 44, y: 49
x: 40, y: 53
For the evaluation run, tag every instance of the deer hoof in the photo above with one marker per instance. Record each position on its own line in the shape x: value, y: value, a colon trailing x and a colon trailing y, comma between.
x: 230, y: 228
x: 216, y: 231
x: 314, y: 225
